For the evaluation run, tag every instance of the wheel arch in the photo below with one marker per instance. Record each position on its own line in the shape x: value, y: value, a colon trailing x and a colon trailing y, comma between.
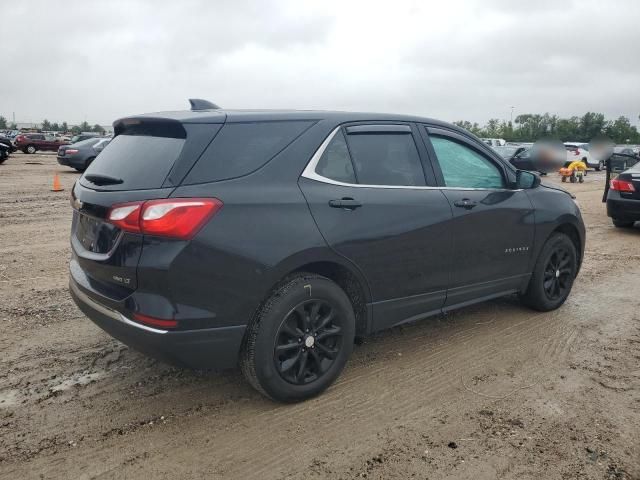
x: 349, y: 281
x: 325, y: 262
x: 571, y: 231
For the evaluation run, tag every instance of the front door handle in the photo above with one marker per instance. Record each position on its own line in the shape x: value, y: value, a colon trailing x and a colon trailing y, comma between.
x: 465, y: 203
x: 348, y: 203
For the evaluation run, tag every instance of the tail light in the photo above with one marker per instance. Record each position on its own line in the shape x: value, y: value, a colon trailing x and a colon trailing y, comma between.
x: 179, y: 218
x: 71, y: 151
x: 19, y: 138
x: 622, y: 185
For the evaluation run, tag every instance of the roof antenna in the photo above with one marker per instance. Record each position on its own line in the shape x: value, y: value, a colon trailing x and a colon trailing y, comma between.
x: 200, y: 104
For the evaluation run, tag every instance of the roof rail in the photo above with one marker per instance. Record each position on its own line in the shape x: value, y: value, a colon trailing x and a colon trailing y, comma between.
x: 200, y: 104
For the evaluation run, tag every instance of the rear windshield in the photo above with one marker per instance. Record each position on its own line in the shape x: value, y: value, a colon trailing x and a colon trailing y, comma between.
x: 241, y: 148
x: 87, y: 142
x: 141, y: 162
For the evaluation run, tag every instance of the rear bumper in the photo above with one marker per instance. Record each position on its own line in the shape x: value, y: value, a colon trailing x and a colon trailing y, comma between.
x: 625, y: 209
x: 71, y: 162
x: 209, y: 348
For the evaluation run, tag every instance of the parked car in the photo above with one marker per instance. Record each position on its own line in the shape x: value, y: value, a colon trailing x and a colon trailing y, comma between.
x: 6, y: 141
x: 623, y: 198
x: 494, y: 142
x: 32, y: 142
x: 520, y: 156
x: 4, y: 152
x: 580, y: 152
x: 271, y: 239
x: 80, y: 155
x: 84, y: 136
x: 509, y: 152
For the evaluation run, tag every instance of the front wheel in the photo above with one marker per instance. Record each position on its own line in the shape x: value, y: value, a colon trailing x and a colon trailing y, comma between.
x: 300, y: 339
x: 553, y: 274
x: 30, y: 149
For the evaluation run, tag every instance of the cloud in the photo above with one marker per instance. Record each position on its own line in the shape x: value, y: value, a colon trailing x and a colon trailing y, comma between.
x: 454, y: 60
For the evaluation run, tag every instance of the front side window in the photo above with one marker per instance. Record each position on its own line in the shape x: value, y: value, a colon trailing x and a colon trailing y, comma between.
x: 463, y: 167
x: 335, y: 162
x: 383, y: 158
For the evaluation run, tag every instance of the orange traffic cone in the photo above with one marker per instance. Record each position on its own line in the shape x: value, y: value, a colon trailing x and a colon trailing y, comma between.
x: 57, y: 187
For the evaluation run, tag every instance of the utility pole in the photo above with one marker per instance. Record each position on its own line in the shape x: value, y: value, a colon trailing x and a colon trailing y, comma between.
x: 512, y: 115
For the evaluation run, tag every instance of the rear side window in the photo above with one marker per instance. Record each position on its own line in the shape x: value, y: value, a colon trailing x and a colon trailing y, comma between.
x: 241, y: 148
x: 386, y: 159
x: 335, y: 162
x: 142, y: 162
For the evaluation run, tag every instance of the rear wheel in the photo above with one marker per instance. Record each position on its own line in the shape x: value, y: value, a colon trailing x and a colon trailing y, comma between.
x: 622, y: 223
x: 300, y: 340
x: 30, y: 149
x: 553, y: 274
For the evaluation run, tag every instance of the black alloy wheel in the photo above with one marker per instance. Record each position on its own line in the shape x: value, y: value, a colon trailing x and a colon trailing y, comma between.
x: 308, y: 342
x: 558, y: 274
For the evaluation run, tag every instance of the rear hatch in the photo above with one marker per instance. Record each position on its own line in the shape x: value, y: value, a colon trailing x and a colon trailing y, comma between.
x: 147, y: 159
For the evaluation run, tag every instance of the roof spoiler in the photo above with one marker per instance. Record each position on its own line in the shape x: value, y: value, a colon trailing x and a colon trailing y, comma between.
x: 200, y: 104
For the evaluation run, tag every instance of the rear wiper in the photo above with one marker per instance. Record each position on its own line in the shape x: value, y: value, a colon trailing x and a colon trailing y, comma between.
x: 102, y: 179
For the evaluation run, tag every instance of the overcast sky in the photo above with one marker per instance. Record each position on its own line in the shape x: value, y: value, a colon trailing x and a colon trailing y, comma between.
x: 451, y: 60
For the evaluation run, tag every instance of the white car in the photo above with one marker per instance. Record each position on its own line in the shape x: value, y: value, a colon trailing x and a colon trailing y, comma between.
x: 580, y: 151
x: 494, y: 142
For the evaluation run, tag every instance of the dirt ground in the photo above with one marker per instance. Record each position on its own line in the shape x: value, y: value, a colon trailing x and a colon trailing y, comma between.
x: 492, y: 391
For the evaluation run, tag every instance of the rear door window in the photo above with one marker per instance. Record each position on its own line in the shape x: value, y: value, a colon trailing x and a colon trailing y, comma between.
x: 242, y: 148
x: 335, y: 162
x: 386, y: 158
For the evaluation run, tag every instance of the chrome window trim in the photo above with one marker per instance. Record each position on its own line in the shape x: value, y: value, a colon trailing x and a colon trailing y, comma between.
x: 310, y: 173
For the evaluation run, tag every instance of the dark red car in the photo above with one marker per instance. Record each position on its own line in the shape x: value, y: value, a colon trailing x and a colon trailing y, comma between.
x: 32, y: 142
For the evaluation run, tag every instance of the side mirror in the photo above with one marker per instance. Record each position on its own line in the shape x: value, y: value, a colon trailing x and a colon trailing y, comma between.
x: 526, y: 180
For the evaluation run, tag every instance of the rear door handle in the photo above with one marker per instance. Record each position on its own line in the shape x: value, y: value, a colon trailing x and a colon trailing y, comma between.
x: 348, y: 203
x: 465, y: 203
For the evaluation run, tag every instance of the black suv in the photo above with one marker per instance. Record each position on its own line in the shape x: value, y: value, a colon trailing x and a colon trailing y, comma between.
x: 271, y: 239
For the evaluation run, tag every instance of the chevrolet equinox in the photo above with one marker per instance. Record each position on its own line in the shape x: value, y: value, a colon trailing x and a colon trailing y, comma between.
x: 213, y: 238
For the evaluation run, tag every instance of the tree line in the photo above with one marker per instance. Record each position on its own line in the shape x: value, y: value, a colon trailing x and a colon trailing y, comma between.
x: 48, y: 126
x: 530, y: 127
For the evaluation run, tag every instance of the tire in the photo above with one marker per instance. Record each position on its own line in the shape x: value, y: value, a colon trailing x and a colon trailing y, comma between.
x: 300, y: 370
x: 564, y: 179
x: 572, y: 179
x: 622, y: 223
x: 600, y: 166
x: 30, y: 149
x: 556, y: 265
x: 581, y: 180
